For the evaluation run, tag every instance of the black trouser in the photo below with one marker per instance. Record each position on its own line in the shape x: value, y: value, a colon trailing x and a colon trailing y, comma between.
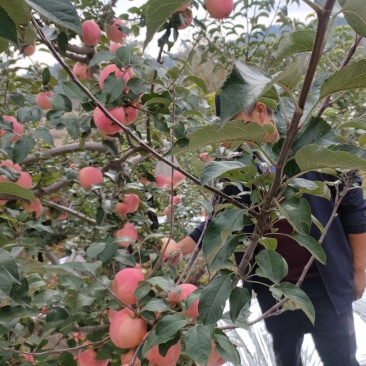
x: 333, y: 333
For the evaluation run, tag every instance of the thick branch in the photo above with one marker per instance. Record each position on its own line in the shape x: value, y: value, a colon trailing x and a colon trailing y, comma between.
x: 44, y: 191
x: 65, y: 149
x: 262, y: 219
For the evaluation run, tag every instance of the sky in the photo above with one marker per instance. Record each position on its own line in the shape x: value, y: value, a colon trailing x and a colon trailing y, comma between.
x: 294, y: 11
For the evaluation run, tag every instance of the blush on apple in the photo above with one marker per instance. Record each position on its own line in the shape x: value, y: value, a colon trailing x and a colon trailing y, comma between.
x: 89, y: 176
x: 125, y: 283
x: 185, y: 290
x: 128, y: 231
x: 170, y: 359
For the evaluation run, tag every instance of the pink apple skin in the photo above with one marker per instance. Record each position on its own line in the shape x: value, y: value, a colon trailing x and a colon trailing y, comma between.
x: 91, y: 33
x: 113, y: 32
x: 17, y: 128
x: 186, y: 290
x: 11, y: 165
x: 89, y: 176
x: 131, y: 114
x: 25, y: 180
x: 29, y: 50
x: 215, y: 359
x: 125, y: 330
x: 118, y: 73
x: 170, y: 359
x: 42, y: 100
x: 121, y: 208
x: 128, y: 230
x: 219, y: 9
x: 107, y: 126
x: 132, y: 201
x: 114, y: 47
x: 162, y: 181
x: 81, y: 71
x: 178, y: 178
x: 35, y: 207
x: 176, y: 200
x: 171, y: 248
x: 125, y: 283
x: 87, y: 358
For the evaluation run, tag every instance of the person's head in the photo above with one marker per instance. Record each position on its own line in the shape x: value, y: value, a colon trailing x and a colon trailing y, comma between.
x: 258, y: 112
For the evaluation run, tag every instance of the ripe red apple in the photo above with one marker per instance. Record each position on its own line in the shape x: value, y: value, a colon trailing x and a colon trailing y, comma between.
x: 91, y: 33
x: 42, y: 100
x: 118, y: 73
x: 25, y: 180
x: 121, y: 208
x: 132, y: 201
x: 128, y: 230
x: 186, y: 290
x: 114, y: 33
x: 27, y: 357
x: 215, y: 359
x: 17, y: 128
x: 187, y: 14
x: 89, y: 176
x: 178, y: 178
x: 176, y: 200
x: 81, y: 71
x: 126, y: 330
x: 87, y: 358
x: 162, y: 181
x: 29, y: 50
x: 131, y: 114
x: 11, y: 165
x: 204, y: 156
x: 171, y: 248
x: 219, y: 9
x: 170, y: 359
x: 107, y: 126
x: 126, y: 358
x: 35, y: 207
x: 125, y: 283
x: 114, y: 47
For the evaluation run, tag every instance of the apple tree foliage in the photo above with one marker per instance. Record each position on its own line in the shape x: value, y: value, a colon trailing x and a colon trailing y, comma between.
x: 312, y: 74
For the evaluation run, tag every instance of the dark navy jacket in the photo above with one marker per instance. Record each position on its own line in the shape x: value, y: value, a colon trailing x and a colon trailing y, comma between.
x: 337, y: 274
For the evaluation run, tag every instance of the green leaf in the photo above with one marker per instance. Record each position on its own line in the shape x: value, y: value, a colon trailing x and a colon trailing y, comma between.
x: 298, y: 298
x: 170, y: 325
x: 157, y: 12
x: 22, y: 147
x: 61, y: 12
x: 165, y: 283
x: 312, y: 246
x: 153, y: 339
x: 113, y: 87
x: 8, y: 266
x: 216, y: 169
x: 100, y: 57
x: 239, y: 298
x: 236, y: 132
x: 213, y: 298
x: 315, y: 188
x: 72, y: 91
x: 126, y: 56
x: 44, y: 134
x: 17, y: 10
x: 16, y: 190
x: 292, y: 73
x: 271, y: 265
x: 296, y: 42
x: 198, y: 343
x: 19, y: 292
x: 10, y: 313
x: 352, y: 76
x: 314, y: 157
x: 61, y: 102
x: 226, y: 349
x: 298, y: 214
x: 221, y: 259
x: 199, y: 82
x: 156, y: 305
x: 355, y: 13
x: 218, y: 231
x: 243, y: 86
x: 8, y: 29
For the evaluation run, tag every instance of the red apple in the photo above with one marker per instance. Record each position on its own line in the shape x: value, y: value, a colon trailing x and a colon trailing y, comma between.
x: 170, y: 249
x: 35, y: 207
x: 8, y: 163
x: 162, y: 181
x: 118, y: 73
x: 126, y: 358
x: 17, y: 128
x: 170, y: 359
x: 176, y: 200
x: 178, y: 178
x: 42, y: 100
x: 215, y: 359
x: 87, y: 358
x: 126, y: 330
x: 114, y: 33
x: 107, y: 126
x: 81, y: 71
x: 25, y: 180
x: 29, y: 50
x: 129, y: 231
x: 186, y: 290
x: 91, y: 33
x: 219, y: 9
x: 187, y: 15
x: 125, y: 283
x: 132, y: 201
x: 121, y: 208
x: 89, y: 176
x: 131, y: 114
x: 114, y: 47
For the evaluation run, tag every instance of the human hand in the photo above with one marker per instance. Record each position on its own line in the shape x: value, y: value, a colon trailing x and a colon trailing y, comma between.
x: 359, y: 283
x: 174, y: 258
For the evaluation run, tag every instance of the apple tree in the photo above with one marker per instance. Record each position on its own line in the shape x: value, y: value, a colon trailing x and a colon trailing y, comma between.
x: 110, y: 155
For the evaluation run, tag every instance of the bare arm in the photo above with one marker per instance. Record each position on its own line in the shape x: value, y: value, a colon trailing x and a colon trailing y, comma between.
x: 187, y: 245
x: 358, y: 247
